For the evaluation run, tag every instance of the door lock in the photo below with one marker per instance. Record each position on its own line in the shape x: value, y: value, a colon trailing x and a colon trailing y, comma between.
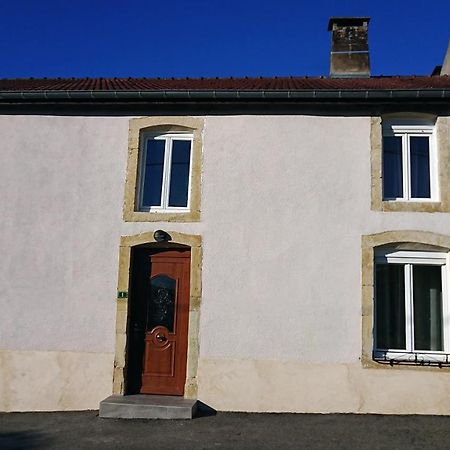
x: 160, y: 337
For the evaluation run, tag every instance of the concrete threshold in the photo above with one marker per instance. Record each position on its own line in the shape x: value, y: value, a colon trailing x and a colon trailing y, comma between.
x: 147, y: 407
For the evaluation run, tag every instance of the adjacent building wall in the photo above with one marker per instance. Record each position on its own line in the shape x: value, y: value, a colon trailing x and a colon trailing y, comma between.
x: 285, y: 201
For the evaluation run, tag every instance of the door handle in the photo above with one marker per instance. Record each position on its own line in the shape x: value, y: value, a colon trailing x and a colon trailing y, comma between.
x: 160, y: 337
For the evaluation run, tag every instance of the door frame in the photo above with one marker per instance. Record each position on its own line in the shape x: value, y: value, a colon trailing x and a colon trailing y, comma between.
x: 120, y: 360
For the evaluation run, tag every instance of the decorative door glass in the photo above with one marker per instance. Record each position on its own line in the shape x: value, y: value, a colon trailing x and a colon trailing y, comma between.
x: 161, y: 305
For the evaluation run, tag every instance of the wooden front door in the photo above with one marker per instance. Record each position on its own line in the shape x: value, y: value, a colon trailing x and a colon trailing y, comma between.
x: 166, y: 308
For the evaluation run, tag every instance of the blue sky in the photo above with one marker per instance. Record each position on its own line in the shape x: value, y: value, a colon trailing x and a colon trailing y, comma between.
x: 211, y: 38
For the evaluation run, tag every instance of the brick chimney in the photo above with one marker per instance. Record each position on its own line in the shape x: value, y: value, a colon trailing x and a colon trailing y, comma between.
x: 349, y: 47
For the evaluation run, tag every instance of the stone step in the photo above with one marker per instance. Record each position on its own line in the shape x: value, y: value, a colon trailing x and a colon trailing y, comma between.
x: 147, y: 407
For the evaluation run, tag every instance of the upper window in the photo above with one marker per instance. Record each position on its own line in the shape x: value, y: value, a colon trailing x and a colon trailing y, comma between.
x: 165, y: 172
x: 412, y: 321
x: 163, y: 180
x: 409, y: 162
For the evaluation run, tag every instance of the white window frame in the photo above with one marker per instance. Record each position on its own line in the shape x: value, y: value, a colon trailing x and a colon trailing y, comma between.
x: 165, y: 191
x: 409, y: 259
x: 406, y: 130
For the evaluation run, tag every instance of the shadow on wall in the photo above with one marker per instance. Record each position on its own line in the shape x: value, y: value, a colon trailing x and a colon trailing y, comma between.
x: 16, y: 440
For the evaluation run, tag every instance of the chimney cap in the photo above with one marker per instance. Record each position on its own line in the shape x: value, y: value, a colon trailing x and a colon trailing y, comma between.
x: 347, y: 21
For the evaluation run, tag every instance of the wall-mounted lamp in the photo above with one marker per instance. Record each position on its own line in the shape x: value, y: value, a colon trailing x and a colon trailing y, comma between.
x: 161, y: 236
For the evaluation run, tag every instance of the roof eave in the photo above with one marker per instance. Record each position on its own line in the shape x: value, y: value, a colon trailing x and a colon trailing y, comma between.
x: 219, y: 95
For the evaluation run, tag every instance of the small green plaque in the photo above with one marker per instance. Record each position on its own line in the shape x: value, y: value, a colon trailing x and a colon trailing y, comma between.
x: 122, y: 294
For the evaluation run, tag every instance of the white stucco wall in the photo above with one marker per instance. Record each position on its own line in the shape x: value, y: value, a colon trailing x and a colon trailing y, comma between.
x: 285, y: 200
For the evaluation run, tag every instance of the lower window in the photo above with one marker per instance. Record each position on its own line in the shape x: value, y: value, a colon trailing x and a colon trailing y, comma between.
x: 411, y: 307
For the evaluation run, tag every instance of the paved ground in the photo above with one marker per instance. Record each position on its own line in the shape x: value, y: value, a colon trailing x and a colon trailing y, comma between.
x: 84, y: 430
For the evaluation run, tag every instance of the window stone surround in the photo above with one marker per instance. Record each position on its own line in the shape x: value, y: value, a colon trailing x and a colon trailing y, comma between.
x: 140, y: 125
x: 442, y: 126
x: 402, y: 238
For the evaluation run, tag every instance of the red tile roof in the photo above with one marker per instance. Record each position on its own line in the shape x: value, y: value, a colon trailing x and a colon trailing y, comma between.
x: 224, y: 84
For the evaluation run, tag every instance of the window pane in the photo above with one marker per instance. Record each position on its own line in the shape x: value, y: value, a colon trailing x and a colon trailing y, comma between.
x: 390, y: 306
x: 392, y: 167
x: 179, y: 174
x: 153, y: 173
x: 427, y: 288
x: 420, y: 166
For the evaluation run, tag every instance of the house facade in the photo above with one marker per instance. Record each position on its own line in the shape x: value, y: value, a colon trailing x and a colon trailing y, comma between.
x: 258, y: 244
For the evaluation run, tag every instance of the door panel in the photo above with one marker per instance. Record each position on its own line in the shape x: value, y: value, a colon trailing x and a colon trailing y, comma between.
x: 159, y: 357
x: 166, y: 324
